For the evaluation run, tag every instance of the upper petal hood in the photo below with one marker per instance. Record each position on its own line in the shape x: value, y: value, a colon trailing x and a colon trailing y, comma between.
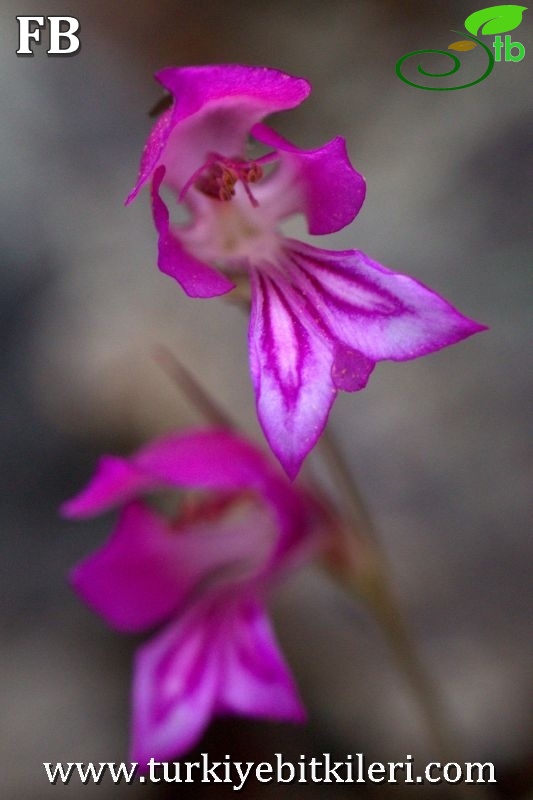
x: 214, y: 108
x: 207, y: 459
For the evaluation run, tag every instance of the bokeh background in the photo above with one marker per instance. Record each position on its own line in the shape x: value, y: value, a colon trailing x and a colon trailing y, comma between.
x: 439, y: 445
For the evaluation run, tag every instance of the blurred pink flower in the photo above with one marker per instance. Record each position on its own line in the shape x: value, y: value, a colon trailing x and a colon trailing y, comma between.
x: 320, y: 320
x: 207, y: 572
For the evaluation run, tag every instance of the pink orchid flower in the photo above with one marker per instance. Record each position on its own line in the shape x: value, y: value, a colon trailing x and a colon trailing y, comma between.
x: 206, y: 572
x: 320, y: 320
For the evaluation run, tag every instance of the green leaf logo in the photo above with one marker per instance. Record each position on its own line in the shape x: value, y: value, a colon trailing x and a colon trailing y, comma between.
x: 496, y: 19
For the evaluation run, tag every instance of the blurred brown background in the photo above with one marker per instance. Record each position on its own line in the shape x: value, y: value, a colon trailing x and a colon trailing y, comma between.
x: 439, y: 445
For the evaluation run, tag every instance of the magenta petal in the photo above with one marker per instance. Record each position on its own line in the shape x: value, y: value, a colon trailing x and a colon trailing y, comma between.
x: 152, y: 152
x: 196, y: 278
x: 220, y: 657
x: 115, y: 481
x: 377, y: 312
x: 177, y: 676
x: 214, y: 108
x: 141, y: 575
x: 321, y: 183
x: 320, y: 320
x: 257, y: 681
x: 148, y: 569
x: 261, y: 89
x: 291, y: 371
x: 205, y: 459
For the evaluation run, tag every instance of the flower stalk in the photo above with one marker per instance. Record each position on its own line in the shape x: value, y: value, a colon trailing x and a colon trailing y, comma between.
x: 357, y: 561
x: 361, y: 566
x: 194, y: 392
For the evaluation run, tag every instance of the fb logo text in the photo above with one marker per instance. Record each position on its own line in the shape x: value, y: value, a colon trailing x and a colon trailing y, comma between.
x: 62, y: 35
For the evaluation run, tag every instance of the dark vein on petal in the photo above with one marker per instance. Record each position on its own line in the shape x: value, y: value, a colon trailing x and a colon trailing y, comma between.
x: 302, y: 263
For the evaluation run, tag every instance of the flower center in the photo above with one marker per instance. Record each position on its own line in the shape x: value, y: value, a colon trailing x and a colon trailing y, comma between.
x: 218, y: 176
x: 229, y: 232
